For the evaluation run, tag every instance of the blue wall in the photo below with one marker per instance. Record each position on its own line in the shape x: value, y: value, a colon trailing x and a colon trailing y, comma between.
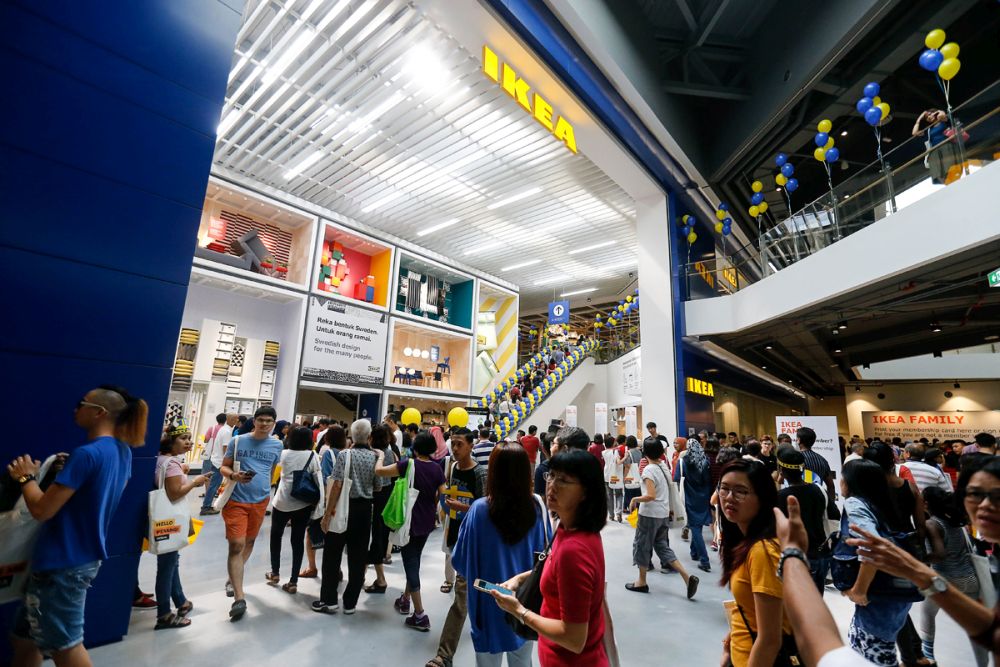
x: 106, y: 139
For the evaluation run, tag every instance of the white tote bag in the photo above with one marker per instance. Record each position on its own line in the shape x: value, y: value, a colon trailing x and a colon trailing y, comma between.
x: 227, y: 490
x: 401, y: 537
x: 339, y: 522
x: 18, y: 534
x: 987, y: 591
x: 169, y: 522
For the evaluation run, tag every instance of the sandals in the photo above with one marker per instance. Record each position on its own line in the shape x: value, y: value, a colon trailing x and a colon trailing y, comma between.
x: 185, y: 608
x: 447, y: 586
x: 309, y: 573
x: 272, y: 578
x: 375, y: 588
x: 171, y: 621
x: 290, y: 588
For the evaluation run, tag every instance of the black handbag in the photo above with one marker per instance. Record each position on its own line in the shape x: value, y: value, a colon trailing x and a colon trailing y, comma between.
x: 788, y: 654
x: 304, y: 485
x: 529, y: 594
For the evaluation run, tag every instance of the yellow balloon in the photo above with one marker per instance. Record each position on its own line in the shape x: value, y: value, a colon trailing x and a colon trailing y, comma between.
x: 820, y: 154
x: 410, y: 416
x: 780, y: 179
x: 950, y: 50
x: 720, y: 214
x: 757, y: 186
x: 829, y: 144
x: 628, y: 299
x: 885, y: 109
x: 762, y: 207
x: 754, y: 211
x: 949, y: 68
x: 934, y: 39
x: 692, y: 237
x: 876, y: 101
x: 458, y: 417
x: 718, y: 228
x: 824, y: 125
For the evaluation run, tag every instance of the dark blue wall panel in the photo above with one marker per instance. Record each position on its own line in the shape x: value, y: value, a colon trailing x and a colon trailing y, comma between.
x: 106, y: 138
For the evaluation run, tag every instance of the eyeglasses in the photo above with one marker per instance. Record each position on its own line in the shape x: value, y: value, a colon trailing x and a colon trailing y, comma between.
x: 81, y: 403
x: 558, y: 481
x: 977, y: 496
x: 739, y: 493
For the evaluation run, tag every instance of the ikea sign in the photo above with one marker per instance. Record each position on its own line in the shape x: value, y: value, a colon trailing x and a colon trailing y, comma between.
x: 530, y: 101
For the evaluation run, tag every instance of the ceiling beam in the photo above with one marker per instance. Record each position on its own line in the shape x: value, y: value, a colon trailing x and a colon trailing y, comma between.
x: 705, y: 90
x: 710, y: 17
x: 687, y: 14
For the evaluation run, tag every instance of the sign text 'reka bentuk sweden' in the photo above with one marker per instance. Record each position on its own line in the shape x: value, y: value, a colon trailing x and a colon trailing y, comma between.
x: 532, y: 102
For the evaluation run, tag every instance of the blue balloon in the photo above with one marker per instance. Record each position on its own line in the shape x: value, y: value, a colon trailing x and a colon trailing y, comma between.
x: 757, y: 198
x: 864, y: 104
x: 873, y: 116
x: 787, y: 169
x: 833, y: 154
x: 792, y: 185
x: 780, y: 159
x: 931, y: 59
x: 872, y: 89
x: 821, y: 138
x: 726, y: 231
x: 727, y: 221
x: 723, y: 206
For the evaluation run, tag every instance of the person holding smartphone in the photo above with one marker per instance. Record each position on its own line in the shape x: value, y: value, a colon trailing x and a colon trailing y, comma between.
x: 257, y: 453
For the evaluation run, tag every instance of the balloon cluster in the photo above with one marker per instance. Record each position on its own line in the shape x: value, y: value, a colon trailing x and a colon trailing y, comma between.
x: 757, y: 204
x: 687, y: 223
x: 723, y: 224
x: 784, y: 176
x: 825, y: 149
x: 941, y: 59
x: 624, y: 307
x: 522, y: 408
x: 871, y: 106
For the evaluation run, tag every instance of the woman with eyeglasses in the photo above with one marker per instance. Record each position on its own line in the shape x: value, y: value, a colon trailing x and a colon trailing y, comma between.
x: 750, y: 555
x: 978, y: 490
x: 570, y: 624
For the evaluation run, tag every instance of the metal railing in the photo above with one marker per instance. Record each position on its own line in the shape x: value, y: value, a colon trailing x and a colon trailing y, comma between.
x: 904, y: 175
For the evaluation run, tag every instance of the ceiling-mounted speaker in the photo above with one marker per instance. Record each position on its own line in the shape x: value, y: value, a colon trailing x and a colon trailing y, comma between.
x: 948, y: 394
x: 881, y: 395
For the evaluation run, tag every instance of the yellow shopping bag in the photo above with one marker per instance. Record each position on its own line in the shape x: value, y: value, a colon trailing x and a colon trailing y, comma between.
x: 633, y: 518
x: 196, y: 526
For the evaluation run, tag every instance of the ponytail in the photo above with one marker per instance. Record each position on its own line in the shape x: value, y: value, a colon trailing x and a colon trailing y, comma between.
x: 130, y: 422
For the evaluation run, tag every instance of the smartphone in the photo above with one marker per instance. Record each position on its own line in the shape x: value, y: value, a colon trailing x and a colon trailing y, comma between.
x: 251, y: 473
x: 486, y: 587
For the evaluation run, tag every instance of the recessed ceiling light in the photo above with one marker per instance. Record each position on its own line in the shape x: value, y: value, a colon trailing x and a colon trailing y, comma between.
x: 769, y: 347
x: 521, y: 265
x: 992, y: 338
x: 778, y: 189
x: 842, y: 325
x: 579, y: 291
x: 935, y: 327
x: 436, y: 228
x: 513, y: 198
x: 603, y: 244
x: 837, y: 351
x: 844, y: 133
x: 764, y: 367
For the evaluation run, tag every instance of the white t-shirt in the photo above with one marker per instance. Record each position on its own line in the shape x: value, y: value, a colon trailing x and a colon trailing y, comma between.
x: 614, y: 473
x: 659, y: 508
x: 292, y: 460
x: 842, y: 657
x: 220, y: 443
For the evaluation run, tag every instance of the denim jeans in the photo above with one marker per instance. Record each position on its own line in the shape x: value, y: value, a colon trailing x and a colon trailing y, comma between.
x: 519, y: 658
x: 698, y: 549
x: 213, y: 483
x: 818, y: 568
x: 52, y: 613
x: 168, y: 582
x: 411, y: 560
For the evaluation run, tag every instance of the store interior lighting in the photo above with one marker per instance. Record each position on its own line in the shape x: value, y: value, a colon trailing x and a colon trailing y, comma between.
x: 588, y: 248
x: 585, y: 290
x: 521, y: 265
x: 438, y: 227
x: 514, y: 198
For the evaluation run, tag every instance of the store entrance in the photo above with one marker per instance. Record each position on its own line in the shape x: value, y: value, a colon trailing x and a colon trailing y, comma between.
x: 336, y: 404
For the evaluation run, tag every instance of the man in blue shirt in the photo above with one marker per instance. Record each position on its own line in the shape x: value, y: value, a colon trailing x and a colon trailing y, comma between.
x: 249, y: 463
x: 76, y: 510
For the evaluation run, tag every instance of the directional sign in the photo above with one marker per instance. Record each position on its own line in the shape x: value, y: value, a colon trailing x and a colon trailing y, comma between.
x: 994, y: 278
x: 559, y: 312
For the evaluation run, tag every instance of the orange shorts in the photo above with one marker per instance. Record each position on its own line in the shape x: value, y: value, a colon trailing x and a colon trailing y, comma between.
x: 243, y: 520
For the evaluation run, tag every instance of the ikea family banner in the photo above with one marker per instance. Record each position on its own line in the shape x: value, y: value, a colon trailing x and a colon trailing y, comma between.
x: 344, y: 344
x: 600, y: 418
x: 570, y: 415
x: 930, y: 424
x: 827, y: 442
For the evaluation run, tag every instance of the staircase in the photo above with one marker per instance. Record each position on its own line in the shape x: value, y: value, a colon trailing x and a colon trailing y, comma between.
x: 523, y: 408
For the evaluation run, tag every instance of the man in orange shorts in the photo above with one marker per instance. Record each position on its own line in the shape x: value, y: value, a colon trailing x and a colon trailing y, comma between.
x: 248, y: 464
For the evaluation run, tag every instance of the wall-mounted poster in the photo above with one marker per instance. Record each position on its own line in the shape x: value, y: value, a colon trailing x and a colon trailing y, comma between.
x: 632, y: 374
x: 912, y: 425
x: 344, y: 344
x: 570, y: 415
x: 600, y: 418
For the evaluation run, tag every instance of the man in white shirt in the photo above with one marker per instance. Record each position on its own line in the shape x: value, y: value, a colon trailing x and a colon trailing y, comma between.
x: 924, y: 474
x: 397, y: 433
x: 857, y: 452
x: 215, y: 449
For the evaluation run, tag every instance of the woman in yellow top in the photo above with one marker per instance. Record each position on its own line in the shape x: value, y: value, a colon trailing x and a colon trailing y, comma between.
x: 750, y: 554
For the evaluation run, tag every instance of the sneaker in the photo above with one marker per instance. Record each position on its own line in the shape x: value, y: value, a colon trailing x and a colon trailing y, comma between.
x: 237, y: 611
x: 402, y: 605
x: 208, y: 511
x: 420, y: 623
x: 230, y: 591
x: 321, y: 607
x: 704, y: 567
x: 348, y: 612
x: 715, y: 545
x: 144, y: 602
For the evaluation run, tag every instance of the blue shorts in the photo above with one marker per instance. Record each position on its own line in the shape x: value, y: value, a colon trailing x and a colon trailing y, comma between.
x: 52, y: 614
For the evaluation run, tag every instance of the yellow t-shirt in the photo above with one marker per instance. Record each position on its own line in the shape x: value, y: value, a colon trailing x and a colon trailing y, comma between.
x: 758, y: 574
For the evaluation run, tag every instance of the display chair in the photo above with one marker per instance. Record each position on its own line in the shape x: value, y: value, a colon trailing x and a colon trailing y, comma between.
x: 437, y: 379
x: 399, y: 375
x: 418, y: 377
x: 444, y: 366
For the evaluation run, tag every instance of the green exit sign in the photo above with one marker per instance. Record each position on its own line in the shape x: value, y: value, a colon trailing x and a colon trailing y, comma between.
x: 994, y: 278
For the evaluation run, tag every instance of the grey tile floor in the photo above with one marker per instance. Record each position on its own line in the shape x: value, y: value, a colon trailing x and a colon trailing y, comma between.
x: 662, y: 628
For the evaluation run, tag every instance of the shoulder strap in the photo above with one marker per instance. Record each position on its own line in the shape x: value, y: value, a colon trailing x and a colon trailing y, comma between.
x: 753, y: 635
x: 347, y: 466
x: 309, y: 460
x: 746, y: 564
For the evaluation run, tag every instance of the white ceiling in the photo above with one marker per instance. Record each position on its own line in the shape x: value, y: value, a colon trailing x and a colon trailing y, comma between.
x: 368, y: 109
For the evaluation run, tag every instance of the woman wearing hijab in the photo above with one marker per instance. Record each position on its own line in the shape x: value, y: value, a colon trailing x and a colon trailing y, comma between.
x: 442, y: 445
x: 280, y: 428
x: 696, y: 471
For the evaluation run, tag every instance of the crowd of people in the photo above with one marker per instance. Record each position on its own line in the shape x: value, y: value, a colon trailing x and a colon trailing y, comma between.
x: 521, y: 523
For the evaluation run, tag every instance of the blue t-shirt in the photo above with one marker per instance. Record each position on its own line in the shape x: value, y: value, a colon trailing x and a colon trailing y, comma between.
x: 259, y: 456
x: 98, y: 472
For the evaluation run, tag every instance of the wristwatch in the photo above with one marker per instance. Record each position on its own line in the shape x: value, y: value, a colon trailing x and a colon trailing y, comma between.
x: 24, y: 479
x: 791, y: 552
x: 938, y: 585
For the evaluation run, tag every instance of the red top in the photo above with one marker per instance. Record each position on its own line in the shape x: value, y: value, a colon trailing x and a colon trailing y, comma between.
x: 597, y: 450
x: 530, y: 444
x: 573, y: 591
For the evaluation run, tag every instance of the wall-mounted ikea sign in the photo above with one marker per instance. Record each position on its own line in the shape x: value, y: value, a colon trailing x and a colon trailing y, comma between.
x: 696, y: 386
x: 532, y: 102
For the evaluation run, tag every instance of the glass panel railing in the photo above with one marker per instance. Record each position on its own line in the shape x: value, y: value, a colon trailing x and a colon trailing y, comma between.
x: 912, y: 170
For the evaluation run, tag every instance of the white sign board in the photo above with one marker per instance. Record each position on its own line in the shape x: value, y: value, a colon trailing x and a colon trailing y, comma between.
x: 600, y: 418
x: 630, y: 420
x: 570, y: 415
x: 827, y: 442
x: 344, y: 344
x: 632, y: 375
x: 913, y: 425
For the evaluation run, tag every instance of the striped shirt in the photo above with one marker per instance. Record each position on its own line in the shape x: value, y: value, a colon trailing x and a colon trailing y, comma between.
x: 481, y: 452
x: 926, y: 475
